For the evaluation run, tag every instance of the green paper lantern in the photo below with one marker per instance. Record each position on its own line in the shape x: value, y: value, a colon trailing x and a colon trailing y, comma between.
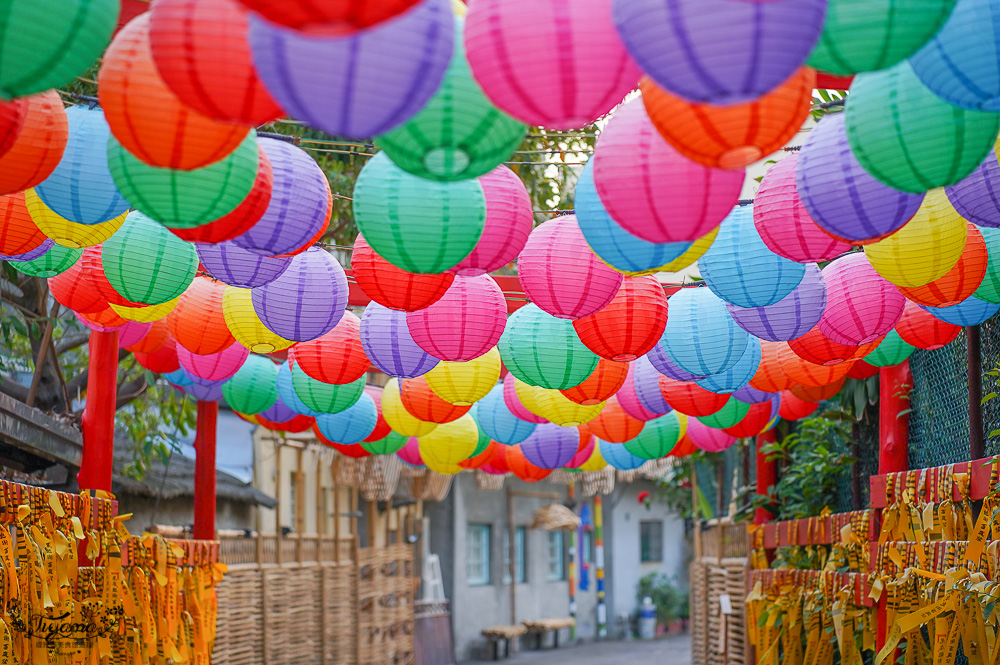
x: 732, y: 413
x: 544, y: 351
x: 254, y: 387
x: 48, y: 43
x: 326, y: 397
x: 422, y: 226
x: 891, y: 351
x: 57, y: 260
x: 989, y: 290
x: 657, y: 439
x: 186, y: 199
x: 459, y: 134
x: 484, y: 440
x: 865, y: 35
x: 387, y: 445
x: 146, y: 263
x: 907, y: 137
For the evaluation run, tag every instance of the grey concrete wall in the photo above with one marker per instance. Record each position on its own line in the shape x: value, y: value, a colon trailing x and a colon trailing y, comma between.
x: 180, y: 512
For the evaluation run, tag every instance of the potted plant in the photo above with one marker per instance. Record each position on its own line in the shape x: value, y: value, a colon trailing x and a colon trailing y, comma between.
x: 666, y: 597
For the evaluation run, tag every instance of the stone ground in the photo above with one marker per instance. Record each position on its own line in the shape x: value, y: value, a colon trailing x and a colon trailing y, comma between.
x: 667, y: 651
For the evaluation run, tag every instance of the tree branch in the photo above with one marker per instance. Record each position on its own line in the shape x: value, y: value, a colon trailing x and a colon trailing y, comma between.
x: 14, y: 389
x: 131, y: 391
x: 79, y: 381
x: 70, y: 342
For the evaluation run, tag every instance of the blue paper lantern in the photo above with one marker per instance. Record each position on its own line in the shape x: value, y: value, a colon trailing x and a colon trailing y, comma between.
x: 700, y: 335
x: 792, y: 316
x: 286, y: 392
x: 352, y: 425
x: 618, y: 457
x: 969, y: 312
x: 81, y: 188
x: 742, y: 270
x: 498, y: 423
x: 667, y: 367
x: 738, y: 375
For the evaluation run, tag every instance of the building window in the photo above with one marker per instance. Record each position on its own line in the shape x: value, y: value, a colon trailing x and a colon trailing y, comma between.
x: 557, y: 570
x: 651, y: 541
x: 520, y: 533
x: 477, y: 554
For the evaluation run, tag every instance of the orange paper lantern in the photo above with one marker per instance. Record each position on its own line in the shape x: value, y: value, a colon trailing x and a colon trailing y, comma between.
x: 817, y: 348
x: 105, y: 318
x: 519, y: 465
x: 683, y: 448
x: 155, y: 337
x: 958, y: 283
x: 39, y: 145
x: 691, y: 399
x: 197, y: 323
x: 423, y: 404
x: 818, y: 393
x: 770, y: 377
x: 606, y: 379
x: 918, y: 327
x: 794, y: 408
x: 806, y: 373
x: 482, y: 458
x: 614, y: 425
x: 18, y: 232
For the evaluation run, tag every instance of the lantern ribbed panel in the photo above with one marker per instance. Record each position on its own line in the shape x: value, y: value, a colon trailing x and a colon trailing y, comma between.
x: 53, y: 262
x: 742, y: 270
x: 64, y: 232
x: 197, y: 322
x: 279, y: 412
x: 646, y: 381
x: 465, y: 323
x: 719, y: 51
x: 757, y: 420
x: 970, y: 312
x: 557, y: 408
x: 650, y: 189
x: 103, y: 321
x: 287, y: 394
x: 145, y: 263
x: 770, y: 377
x: 551, y: 63
x: 630, y: 325
x: 784, y: 223
x: 18, y: 232
x: 207, y: 393
x: 81, y: 188
x: 73, y: 289
x: 961, y: 281
x: 418, y: 225
x: 342, y: 17
x: 307, y: 300
x: 606, y: 379
x: 132, y: 333
x: 700, y: 336
x: 543, y: 350
x: 156, y: 337
x: 424, y: 404
x: 387, y: 342
x: 561, y: 275
x: 464, y: 383
x: 989, y: 290
x: 751, y: 395
x: 245, y: 326
x: 709, y: 439
x: 215, y: 366
x: 450, y: 443
x: 920, y: 329
x: 840, y: 195
x: 160, y: 360
x: 817, y: 348
x: 39, y: 145
x: 628, y: 398
x: 977, y: 197
x: 394, y: 287
x: 657, y: 438
x: 619, y: 457
x: 551, y: 446
x: 94, y: 266
x: 352, y: 425
x: 583, y: 453
x: 734, y: 136
x: 667, y: 367
x: 382, y: 428
x: 252, y: 389
x: 508, y: 223
x: 410, y: 453
x: 809, y: 374
x: 513, y: 402
x: 236, y: 266
x: 326, y: 397
x: 337, y: 357
x: 522, y: 469
x: 738, y: 375
x: 691, y: 399
x: 794, y: 408
x: 399, y: 419
x: 458, y: 134
x: 148, y: 120
x: 48, y: 43
x: 792, y: 316
x: 147, y: 313
x: 12, y: 116
x: 861, y: 306
x: 370, y: 82
x: 387, y: 445
x: 35, y: 253
x: 823, y: 393
x: 201, y: 50
x: 730, y: 414
x: 614, y: 425
x: 910, y: 139
x: 497, y: 421
x: 891, y: 351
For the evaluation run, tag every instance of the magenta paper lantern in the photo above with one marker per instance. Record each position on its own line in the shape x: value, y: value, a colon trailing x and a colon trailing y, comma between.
x: 300, y: 203
x: 861, y: 305
x: 551, y: 446
x: 628, y: 398
x: 561, y: 274
x: 784, y: 223
x: 361, y: 84
x: 720, y: 51
x: 213, y: 367
x: 550, y: 63
x: 132, y: 333
x: 514, y: 404
x: 465, y: 323
x: 650, y: 189
x: 307, y: 300
x: 386, y: 340
x: 410, y: 453
x: 707, y: 438
x: 508, y: 223
x: 789, y: 318
x: 230, y: 263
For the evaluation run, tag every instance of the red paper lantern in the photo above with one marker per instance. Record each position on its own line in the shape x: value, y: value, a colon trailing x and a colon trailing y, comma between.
x: 818, y: 393
x: 197, y: 323
x: 918, y: 327
x: 630, y: 325
x: 519, y: 465
x: 606, y: 379
x: 754, y: 422
x: 683, y: 448
x: 12, y: 115
x: 155, y: 337
x: 806, y: 373
x: 337, y: 357
x: 794, y: 408
x: 424, y: 404
x: 961, y: 281
x: 93, y: 266
x: 39, y: 145
x: 296, y: 425
x: 103, y: 320
x: 614, y: 425
x: 355, y: 450
x: 770, y: 377
x: 482, y: 458
x: 394, y: 287
x: 339, y: 17
x: 382, y: 428
x: 691, y: 399
x: 162, y: 360
x: 817, y: 348
x: 73, y: 289
x: 861, y: 370
x: 18, y: 232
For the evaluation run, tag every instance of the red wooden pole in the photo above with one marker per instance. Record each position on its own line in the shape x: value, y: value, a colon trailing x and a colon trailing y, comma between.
x: 98, y: 422
x: 204, y: 471
x: 893, y: 398
x: 767, y: 475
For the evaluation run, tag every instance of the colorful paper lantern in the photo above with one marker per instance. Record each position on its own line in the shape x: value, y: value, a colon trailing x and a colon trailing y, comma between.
x: 410, y: 453
x: 386, y: 341
x: 463, y: 324
x: 891, y: 351
x: 197, y: 322
x: 352, y: 425
x: 555, y: 407
x: 770, y: 377
x: 64, y: 232
x: 145, y: 263
x: 155, y: 337
x: 387, y: 445
x: 38, y: 146
x: 789, y: 318
x: 861, y: 306
x: 252, y: 389
x: 751, y: 395
x: 806, y: 373
x: 329, y: 17
x: 646, y: 381
x: 497, y: 421
x: 822, y: 393
x: 567, y: 54
x: 738, y: 375
x: 668, y: 368
x: 709, y: 439
x: 394, y: 287
x: 691, y: 399
x: 399, y: 419
x: 160, y: 360
x: 18, y: 232
x: 73, y: 289
x: 630, y: 325
x: 618, y: 456
x: 970, y: 312
x: 403, y: 60
x: 545, y: 351
x: 922, y: 330
x: 12, y: 115
x: 336, y: 357
x: 423, y: 404
x: 508, y: 223
x: 657, y: 438
x: 382, y: 428
x: 307, y: 300
x: 451, y: 442
x: 976, y: 196
x: 614, y: 425
x: 732, y: 136
x: 908, y: 137
x: 700, y: 336
x: 327, y: 397
x: 55, y: 261
x: 606, y: 379
x: 245, y: 326
x: 132, y: 333
x: 93, y: 264
x: 961, y: 281
x: 103, y: 321
x: 235, y: 266
x: 286, y: 391
x: 650, y: 189
x: 628, y: 398
x: 517, y: 463
x: 513, y: 402
x: 147, y: 313
x: 464, y: 383
x: 217, y: 366
x: 792, y: 408
x: 817, y: 348
x: 759, y: 419
x: 35, y: 253
x: 550, y: 446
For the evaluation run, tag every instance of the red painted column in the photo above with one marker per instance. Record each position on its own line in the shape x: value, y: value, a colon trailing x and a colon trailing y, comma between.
x: 893, y: 398
x: 98, y: 422
x: 204, y: 471
x: 767, y: 475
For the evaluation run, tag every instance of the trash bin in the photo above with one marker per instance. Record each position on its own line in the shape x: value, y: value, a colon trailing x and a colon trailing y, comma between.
x: 647, y: 619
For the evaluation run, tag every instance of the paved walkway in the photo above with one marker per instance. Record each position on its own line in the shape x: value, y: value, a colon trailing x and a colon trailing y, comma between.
x: 667, y: 651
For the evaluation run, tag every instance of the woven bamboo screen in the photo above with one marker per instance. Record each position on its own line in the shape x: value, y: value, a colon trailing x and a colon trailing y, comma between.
x: 490, y: 482
x: 723, y: 568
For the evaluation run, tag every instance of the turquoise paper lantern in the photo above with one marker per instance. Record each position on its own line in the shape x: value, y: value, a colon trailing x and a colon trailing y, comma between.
x: 891, y: 351
x: 497, y: 421
x: 618, y: 456
x: 544, y: 351
x: 326, y: 397
x: 352, y: 425
x: 252, y: 389
x: 146, y: 263
x: 657, y: 439
x: 700, y: 336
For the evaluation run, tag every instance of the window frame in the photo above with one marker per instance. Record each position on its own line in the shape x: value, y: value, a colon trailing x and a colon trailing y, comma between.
x: 560, y: 575
x: 646, y: 543
x: 520, y: 555
x: 484, y: 577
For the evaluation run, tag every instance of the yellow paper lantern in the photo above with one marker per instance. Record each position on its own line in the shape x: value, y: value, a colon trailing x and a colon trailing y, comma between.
x: 397, y: 417
x: 449, y: 443
x: 684, y: 424
x: 246, y: 326
x: 465, y: 383
x: 595, y: 462
x: 926, y: 248
x: 554, y: 406
x: 145, y: 314
x: 437, y: 466
x: 64, y: 232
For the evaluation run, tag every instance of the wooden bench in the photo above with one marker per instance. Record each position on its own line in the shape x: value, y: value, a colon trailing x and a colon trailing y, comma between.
x: 542, y: 626
x: 505, y: 634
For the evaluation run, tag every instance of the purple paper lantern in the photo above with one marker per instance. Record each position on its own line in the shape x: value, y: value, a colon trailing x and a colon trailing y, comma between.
x: 977, y: 198
x: 388, y: 344
x: 839, y: 193
x: 214, y: 367
x: 361, y: 84
x: 750, y: 395
x: 300, y: 203
x: 32, y: 254
x: 667, y: 367
x: 720, y: 51
x: 205, y: 392
x: 628, y: 398
x: 646, y: 380
x: 279, y: 412
x: 789, y: 318
x: 551, y: 446
x: 230, y: 263
x: 307, y: 301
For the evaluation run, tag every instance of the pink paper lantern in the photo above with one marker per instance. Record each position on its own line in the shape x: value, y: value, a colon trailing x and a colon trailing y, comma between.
x: 215, y: 366
x: 515, y: 406
x: 410, y: 453
x: 508, y: 223
x: 707, y: 438
x: 784, y: 223
x: 583, y: 454
x: 653, y: 191
x: 861, y: 305
x: 561, y: 274
x: 629, y: 400
x: 97, y: 326
x: 550, y: 63
x: 465, y: 323
x: 132, y: 333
